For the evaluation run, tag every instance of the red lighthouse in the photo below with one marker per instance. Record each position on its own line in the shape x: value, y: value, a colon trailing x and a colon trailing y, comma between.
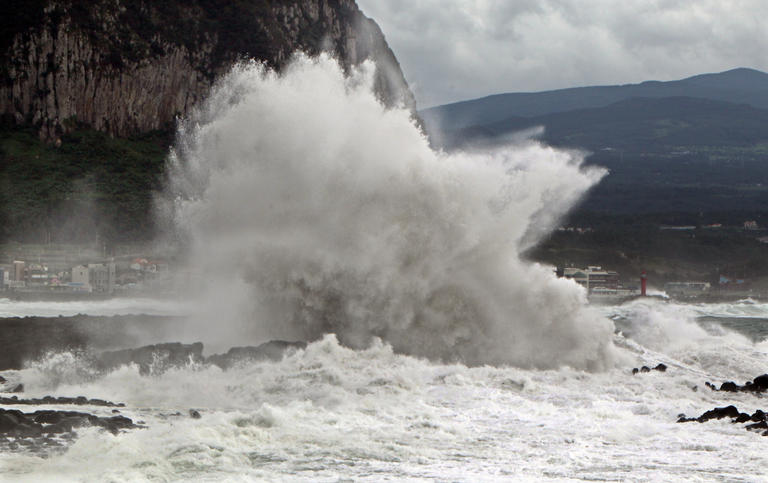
x: 643, y: 282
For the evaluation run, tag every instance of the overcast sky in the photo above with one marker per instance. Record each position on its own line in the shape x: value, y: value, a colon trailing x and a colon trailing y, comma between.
x: 453, y: 50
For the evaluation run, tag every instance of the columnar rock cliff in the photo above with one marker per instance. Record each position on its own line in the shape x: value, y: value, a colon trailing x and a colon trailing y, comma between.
x: 126, y: 67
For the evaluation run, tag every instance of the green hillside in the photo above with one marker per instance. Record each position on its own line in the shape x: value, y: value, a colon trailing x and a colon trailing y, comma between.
x: 92, y: 187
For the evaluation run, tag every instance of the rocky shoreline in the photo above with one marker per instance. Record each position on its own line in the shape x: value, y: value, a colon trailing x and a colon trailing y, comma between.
x: 43, y: 431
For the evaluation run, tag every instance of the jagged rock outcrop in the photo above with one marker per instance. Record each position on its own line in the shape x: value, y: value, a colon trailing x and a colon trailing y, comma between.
x: 126, y: 67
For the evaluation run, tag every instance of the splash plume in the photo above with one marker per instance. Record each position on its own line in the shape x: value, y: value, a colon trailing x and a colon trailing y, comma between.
x: 310, y: 208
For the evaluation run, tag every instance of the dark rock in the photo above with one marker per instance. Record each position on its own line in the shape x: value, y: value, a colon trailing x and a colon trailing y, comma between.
x: 742, y: 418
x: 28, y: 430
x: 18, y: 388
x: 710, y: 385
x: 80, y: 401
x: 758, y: 415
x: 695, y: 388
x: 645, y: 369
x: 719, y: 413
x: 760, y: 383
x: 3, y: 380
x: 10, y: 419
x: 158, y: 357
x: 273, y: 350
x: 194, y: 414
x: 730, y: 387
x: 113, y: 424
x: 760, y: 425
x: 16, y: 423
x: 635, y: 371
x: 661, y: 368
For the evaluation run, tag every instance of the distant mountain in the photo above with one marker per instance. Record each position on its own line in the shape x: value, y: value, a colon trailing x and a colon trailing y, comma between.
x: 649, y: 125
x: 698, y: 145
x: 740, y: 86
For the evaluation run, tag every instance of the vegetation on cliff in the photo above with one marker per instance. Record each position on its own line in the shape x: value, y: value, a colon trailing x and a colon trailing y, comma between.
x: 90, y: 188
x: 90, y: 92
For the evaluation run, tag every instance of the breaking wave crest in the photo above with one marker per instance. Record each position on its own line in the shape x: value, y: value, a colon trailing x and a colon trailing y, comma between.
x: 310, y: 208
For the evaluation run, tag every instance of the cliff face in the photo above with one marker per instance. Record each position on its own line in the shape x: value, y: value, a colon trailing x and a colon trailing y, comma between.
x: 127, y: 67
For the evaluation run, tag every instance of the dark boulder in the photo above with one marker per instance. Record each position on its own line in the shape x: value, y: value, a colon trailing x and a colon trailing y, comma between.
x: 660, y: 367
x: 32, y: 425
x: 742, y: 418
x: 194, y: 414
x: 729, y: 387
x: 80, y: 401
x: 719, y: 413
x: 758, y: 385
x: 18, y: 388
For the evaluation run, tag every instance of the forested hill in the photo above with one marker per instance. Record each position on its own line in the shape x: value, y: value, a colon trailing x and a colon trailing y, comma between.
x: 90, y: 89
x: 740, y: 86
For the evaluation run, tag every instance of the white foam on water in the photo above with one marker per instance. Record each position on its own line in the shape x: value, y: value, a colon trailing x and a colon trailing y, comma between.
x: 331, y: 412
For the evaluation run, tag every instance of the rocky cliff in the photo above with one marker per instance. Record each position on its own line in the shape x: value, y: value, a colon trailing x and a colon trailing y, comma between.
x: 126, y: 67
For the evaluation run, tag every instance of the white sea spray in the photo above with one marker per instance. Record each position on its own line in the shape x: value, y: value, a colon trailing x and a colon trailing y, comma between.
x: 312, y: 209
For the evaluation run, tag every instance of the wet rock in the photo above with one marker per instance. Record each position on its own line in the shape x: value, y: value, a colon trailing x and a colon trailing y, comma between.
x: 80, y: 401
x: 273, y: 350
x: 729, y: 387
x: 659, y: 367
x: 757, y: 385
x: 32, y: 425
x: 742, y: 418
x: 719, y: 413
x: 737, y: 418
x: 194, y: 414
x: 9, y: 420
x: 152, y: 358
x: 18, y: 388
x: 3, y: 380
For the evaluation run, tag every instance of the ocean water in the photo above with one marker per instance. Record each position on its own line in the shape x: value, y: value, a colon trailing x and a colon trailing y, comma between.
x: 437, y: 351
x: 331, y: 413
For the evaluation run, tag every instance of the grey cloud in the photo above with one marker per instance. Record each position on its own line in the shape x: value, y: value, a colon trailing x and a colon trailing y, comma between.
x: 457, y: 49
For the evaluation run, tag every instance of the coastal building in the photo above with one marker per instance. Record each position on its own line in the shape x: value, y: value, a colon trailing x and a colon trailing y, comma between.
x: 593, y: 278
x: 101, y: 276
x: 37, y: 274
x: 80, y: 279
x: 18, y: 271
x: 750, y: 225
x: 686, y: 289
